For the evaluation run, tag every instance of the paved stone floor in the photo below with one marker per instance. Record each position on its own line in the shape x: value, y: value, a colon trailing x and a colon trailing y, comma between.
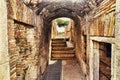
x: 64, y: 70
x: 71, y: 70
x: 53, y: 71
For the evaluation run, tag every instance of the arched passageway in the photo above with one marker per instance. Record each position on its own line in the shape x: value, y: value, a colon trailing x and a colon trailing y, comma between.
x: 61, y: 67
x: 62, y: 64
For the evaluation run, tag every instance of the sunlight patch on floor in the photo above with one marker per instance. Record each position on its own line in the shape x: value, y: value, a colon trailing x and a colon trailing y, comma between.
x: 52, y: 62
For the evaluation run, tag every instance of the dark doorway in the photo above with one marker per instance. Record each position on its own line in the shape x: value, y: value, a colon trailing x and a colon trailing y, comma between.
x: 105, y: 61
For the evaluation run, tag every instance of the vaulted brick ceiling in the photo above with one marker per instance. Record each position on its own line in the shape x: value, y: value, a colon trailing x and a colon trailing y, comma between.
x: 51, y: 9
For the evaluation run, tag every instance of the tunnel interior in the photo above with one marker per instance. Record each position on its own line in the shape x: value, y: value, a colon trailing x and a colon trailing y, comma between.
x: 51, y: 10
x: 32, y: 36
x: 75, y: 11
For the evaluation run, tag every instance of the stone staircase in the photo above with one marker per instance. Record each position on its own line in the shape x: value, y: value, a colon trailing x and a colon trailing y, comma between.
x: 60, y: 51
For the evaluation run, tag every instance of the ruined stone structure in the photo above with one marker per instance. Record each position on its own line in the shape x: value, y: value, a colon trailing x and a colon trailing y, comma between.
x: 26, y: 28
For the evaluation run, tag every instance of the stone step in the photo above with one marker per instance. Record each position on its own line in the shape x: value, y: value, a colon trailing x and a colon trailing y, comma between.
x: 58, y: 42
x: 63, y: 58
x: 62, y: 48
x: 58, y: 45
x: 63, y: 52
x: 60, y: 39
x: 63, y: 55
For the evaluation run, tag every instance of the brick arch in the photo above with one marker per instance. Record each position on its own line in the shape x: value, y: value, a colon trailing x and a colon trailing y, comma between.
x: 55, y: 15
x: 79, y: 7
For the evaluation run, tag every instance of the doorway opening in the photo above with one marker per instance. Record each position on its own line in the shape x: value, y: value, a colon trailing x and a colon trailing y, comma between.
x: 61, y: 27
x: 105, y: 61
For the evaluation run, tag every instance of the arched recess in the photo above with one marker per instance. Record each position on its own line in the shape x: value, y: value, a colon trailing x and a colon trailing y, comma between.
x: 51, y: 12
x: 61, y: 12
x: 48, y: 16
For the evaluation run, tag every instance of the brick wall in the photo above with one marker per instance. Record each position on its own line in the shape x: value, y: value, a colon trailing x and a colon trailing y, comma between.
x: 26, y: 42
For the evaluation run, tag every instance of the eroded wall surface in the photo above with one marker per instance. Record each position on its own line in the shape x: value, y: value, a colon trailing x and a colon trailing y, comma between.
x: 21, y: 36
x: 4, y: 56
x: 28, y: 46
x: 97, y: 26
